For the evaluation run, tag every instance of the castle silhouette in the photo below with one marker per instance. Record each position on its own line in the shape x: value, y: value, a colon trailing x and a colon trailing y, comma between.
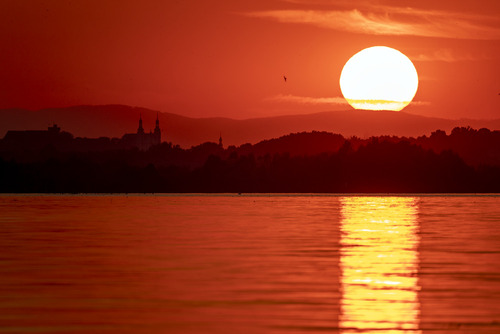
x: 141, y: 139
x: 37, y: 139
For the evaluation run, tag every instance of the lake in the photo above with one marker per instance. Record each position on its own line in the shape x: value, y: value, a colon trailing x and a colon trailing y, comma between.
x: 249, y: 264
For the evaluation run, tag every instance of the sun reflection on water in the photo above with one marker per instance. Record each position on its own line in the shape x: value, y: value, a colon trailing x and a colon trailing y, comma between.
x: 379, y: 265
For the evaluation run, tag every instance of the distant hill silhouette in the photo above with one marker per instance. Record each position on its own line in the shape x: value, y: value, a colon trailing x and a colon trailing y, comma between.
x: 115, y: 120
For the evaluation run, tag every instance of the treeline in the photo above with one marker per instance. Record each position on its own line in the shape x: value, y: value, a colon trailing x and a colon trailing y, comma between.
x: 304, y: 162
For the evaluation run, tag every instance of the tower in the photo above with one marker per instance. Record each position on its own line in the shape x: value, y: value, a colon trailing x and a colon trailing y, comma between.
x: 140, y: 130
x: 220, y: 140
x: 157, y: 133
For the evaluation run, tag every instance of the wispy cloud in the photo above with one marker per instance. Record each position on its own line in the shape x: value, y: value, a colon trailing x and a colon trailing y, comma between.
x: 336, y: 100
x: 308, y: 100
x: 446, y: 55
x: 420, y: 103
x: 385, y: 20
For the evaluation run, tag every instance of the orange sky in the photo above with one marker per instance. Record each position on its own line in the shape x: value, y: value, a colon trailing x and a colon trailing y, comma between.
x: 227, y: 58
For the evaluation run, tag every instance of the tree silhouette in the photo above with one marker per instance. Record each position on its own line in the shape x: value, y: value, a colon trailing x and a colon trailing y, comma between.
x: 467, y: 160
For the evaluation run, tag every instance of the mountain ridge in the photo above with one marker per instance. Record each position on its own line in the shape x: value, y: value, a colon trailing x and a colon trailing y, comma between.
x: 114, y: 120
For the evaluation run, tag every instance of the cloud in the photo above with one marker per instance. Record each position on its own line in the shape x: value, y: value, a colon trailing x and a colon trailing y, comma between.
x: 393, y: 21
x: 448, y: 56
x: 322, y: 100
x: 308, y: 100
x: 420, y: 103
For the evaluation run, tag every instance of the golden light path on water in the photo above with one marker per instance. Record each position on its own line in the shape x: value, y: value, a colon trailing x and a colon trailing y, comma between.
x: 379, y: 265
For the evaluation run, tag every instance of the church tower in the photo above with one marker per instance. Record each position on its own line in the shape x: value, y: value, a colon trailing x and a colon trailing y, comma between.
x: 140, y: 130
x: 220, y: 140
x: 157, y: 133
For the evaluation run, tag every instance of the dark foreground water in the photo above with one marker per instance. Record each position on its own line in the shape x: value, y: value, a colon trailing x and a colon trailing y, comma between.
x: 249, y: 264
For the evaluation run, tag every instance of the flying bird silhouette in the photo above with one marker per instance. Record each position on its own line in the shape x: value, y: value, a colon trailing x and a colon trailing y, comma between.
x: 284, y: 78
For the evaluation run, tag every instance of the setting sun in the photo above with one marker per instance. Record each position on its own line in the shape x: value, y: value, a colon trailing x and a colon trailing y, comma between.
x: 379, y: 78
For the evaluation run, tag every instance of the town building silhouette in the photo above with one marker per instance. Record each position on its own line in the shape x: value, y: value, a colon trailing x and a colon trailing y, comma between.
x: 141, y: 139
x: 37, y: 139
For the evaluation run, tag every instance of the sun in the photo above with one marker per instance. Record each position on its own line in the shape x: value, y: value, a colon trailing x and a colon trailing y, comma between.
x: 379, y: 78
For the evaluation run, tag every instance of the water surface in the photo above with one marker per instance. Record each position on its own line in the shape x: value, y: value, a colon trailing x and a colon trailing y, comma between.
x: 249, y: 264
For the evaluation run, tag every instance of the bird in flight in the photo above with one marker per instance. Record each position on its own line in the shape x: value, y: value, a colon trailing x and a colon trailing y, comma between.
x: 284, y: 77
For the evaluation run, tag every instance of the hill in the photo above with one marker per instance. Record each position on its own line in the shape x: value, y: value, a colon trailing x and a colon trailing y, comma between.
x: 116, y: 120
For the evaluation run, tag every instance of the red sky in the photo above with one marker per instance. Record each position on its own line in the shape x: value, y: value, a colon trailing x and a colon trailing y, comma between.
x: 227, y: 58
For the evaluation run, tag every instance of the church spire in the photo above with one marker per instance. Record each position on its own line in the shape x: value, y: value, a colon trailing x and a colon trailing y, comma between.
x: 157, y: 133
x: 140, y: 129
x: 220, y: 140
x: 157, y: 122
